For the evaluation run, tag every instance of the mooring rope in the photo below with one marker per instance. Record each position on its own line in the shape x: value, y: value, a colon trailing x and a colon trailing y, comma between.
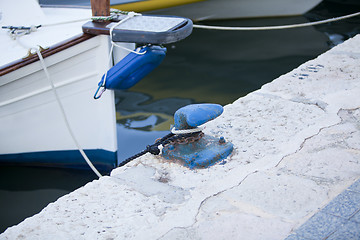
x: 113, y: 44
x: 156, y: 148
x: 186, y: 131
x: 276, y: 27
x: 129, y: 16
x: 153, y: 149
x: 113, y: 14
x: 65, y: 116
x: 61, y: 107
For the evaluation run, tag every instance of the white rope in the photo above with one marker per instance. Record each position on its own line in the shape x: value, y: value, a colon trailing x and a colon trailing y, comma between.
x: 128, y: 49
x: 130, y: 15
x: 64, y: 115
x: 186, y: 131
x: 15, y: 32
x: 60, y: 106
x: 65, y: 22
x: 104, y: 18
x: 276, y: 27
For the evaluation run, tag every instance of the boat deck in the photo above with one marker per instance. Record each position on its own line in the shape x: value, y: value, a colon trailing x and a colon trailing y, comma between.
x: 57, y: 25
x: 294, y: 172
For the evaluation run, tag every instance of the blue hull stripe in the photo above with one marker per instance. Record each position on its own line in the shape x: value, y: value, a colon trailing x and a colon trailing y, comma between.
x: 103, y: 160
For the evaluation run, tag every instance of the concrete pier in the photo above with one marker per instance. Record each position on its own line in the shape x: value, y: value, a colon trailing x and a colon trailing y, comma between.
x: 293, y: 173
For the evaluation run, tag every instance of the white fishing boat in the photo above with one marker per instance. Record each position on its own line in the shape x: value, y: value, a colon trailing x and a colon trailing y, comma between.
x: 49, y: 71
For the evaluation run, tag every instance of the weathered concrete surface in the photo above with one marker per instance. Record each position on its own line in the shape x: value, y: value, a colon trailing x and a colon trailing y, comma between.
x: 297, y: 146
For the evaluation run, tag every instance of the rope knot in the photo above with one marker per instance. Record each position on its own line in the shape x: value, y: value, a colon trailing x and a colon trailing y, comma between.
x: 153, y: 149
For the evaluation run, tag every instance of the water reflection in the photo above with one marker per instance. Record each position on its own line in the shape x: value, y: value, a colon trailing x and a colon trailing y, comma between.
x: 24, y: 191
x: 141, y: 120
x: 221, y: 66
x: 340, y: 31
x: 131, y: 104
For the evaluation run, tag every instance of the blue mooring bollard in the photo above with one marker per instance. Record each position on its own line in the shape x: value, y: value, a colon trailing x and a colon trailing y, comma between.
x: 200, y: 151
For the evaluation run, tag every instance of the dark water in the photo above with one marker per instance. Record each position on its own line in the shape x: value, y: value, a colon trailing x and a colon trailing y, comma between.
x: 209, y: 66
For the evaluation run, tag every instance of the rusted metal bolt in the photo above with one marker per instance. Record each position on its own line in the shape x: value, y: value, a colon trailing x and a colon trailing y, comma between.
x: 221, y: 140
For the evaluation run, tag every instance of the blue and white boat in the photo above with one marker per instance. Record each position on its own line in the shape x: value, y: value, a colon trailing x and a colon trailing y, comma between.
x: 48, y: 114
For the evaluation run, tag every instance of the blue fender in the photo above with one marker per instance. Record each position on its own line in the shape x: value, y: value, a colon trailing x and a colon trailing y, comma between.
x: 134, y: 67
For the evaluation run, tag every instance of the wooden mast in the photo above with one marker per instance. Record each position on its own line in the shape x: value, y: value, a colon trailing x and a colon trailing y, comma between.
x: 100, y: 7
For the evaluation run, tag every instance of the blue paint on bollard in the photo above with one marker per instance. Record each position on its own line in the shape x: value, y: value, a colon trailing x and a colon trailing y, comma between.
x: 199, y: 154
x: 201, y: 151
x: 195, y: 115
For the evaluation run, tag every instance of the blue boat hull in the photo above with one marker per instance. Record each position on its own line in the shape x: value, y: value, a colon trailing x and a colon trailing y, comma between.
x: 103, y: 160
